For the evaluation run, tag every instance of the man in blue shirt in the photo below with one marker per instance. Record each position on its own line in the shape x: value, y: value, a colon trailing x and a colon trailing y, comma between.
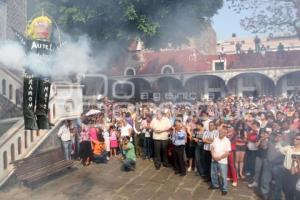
x: 179, y: 137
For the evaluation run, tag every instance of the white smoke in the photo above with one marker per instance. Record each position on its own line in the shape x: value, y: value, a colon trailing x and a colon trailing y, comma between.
x: 72, y: 57
x: 12, y: 54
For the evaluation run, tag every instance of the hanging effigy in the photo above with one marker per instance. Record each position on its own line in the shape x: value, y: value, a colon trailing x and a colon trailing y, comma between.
x: 36, y: 89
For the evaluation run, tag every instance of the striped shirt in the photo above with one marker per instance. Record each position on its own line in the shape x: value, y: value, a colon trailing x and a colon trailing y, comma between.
x: 209, y: 135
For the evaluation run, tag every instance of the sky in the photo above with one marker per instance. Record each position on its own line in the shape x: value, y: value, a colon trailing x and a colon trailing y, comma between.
x: 227, y: 22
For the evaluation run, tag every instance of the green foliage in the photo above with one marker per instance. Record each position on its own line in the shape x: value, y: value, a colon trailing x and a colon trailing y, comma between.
x: 156, y: 22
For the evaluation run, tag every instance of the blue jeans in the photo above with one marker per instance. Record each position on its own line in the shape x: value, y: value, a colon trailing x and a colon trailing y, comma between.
x: 199, y: 160
x: 148, y: 143
x: 250, y: 162
x: 67, y: 149
x: 269, y: 172
x: 219, y: 175
x: 101, y: 158
x: 128, y: 165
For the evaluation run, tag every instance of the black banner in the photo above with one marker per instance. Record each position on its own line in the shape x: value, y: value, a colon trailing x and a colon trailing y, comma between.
x: 42, y: 103
x: 29, y: 98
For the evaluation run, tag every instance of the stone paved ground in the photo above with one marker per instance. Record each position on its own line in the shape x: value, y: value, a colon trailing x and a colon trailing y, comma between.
x: 107, y: 182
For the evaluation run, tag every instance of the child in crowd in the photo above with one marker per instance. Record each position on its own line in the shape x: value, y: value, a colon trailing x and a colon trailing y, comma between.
x: 99, y: 149
x: 113, y: 140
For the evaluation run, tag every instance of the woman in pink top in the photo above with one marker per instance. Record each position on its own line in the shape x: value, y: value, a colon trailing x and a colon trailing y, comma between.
x: 93, y: 132
x: 85, y: 151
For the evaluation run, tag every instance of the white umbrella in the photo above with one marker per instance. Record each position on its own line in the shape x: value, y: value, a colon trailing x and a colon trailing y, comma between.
x: 92, y: 112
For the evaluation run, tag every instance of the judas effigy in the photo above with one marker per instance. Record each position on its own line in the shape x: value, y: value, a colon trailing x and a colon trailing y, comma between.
x: 38, y: 39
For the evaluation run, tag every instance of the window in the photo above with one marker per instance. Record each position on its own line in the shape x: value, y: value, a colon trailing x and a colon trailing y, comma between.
x: 167, y: 69
x: 4, y: 87
x: 219, y: 65
x: 19, y: 146
x: 18, y: 100
x: 12, y: 152
x: 69, y: 105
x: 10, y: 88
x: 53, y: 110
x: 31, y: 136
x: 25, y: 140
x: 4, y: 160
x: 129, y: 71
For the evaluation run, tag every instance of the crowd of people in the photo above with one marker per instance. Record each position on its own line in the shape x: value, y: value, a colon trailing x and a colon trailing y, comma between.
x: 223, y: 141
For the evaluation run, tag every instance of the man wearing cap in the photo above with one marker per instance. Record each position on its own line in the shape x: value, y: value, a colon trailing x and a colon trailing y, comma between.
x: 161, y: 126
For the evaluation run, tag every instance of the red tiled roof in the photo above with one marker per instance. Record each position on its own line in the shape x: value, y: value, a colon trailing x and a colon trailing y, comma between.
x: 185, y: 60
x: 191, y: 60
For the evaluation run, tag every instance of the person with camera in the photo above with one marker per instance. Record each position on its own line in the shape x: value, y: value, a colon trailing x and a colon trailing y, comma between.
x: 199, y: 151
x: 288, y: 173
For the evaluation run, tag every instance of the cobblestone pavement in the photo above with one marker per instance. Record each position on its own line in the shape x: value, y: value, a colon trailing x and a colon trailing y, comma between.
x: 107, y: 182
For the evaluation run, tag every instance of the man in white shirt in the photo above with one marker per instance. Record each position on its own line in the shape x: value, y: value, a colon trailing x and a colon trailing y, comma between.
x: 220, y: 149
x: 65, y: 135
x: 126, y: 129
x: 160, y: 125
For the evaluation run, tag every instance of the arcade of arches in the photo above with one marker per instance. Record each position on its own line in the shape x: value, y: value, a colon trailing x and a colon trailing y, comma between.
x: 170, y: 87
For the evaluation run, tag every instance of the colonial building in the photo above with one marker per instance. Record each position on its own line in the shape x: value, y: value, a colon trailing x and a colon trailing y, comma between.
x: 187, y: 74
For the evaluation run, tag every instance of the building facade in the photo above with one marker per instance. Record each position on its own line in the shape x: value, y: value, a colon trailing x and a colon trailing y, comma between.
x: 13, y: 15
x: 188, y: 74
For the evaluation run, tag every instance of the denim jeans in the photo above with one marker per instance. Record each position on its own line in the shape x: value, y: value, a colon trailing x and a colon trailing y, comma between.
x: 219, y: 175
x: 148, y: 149
x: 128, y: 165
x: 250, y: 162
x: 270, y: 171
x: 67, y: 145
x: 101, y: 158
x: 199, y: 159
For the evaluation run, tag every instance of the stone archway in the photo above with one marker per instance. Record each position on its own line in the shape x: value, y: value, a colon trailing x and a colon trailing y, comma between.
x: 288, y: 83
x: 206, y: 86
x: 140, y: 85
x: 251, y: 84
x: 166, y: 86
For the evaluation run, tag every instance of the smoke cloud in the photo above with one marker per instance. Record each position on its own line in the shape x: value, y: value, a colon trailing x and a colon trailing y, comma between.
x: 12, y: 54
x: 74, y: 56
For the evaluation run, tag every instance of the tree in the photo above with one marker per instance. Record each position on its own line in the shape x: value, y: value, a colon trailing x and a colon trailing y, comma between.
x: 267, y: 16
x: 156, y: 22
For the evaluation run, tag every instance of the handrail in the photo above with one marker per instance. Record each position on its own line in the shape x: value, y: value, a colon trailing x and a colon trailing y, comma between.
x: 11, y: 132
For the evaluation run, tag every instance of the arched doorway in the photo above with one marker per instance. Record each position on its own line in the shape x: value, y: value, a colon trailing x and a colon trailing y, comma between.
x: 206, y: 86
x: 251, y: 84
x: 140, y: 86
x: 288, y: 84
x: 167, y: 85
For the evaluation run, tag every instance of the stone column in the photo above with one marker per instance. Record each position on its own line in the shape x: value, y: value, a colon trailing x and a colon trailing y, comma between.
x: 205, y: 84
x: 239, y: 86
